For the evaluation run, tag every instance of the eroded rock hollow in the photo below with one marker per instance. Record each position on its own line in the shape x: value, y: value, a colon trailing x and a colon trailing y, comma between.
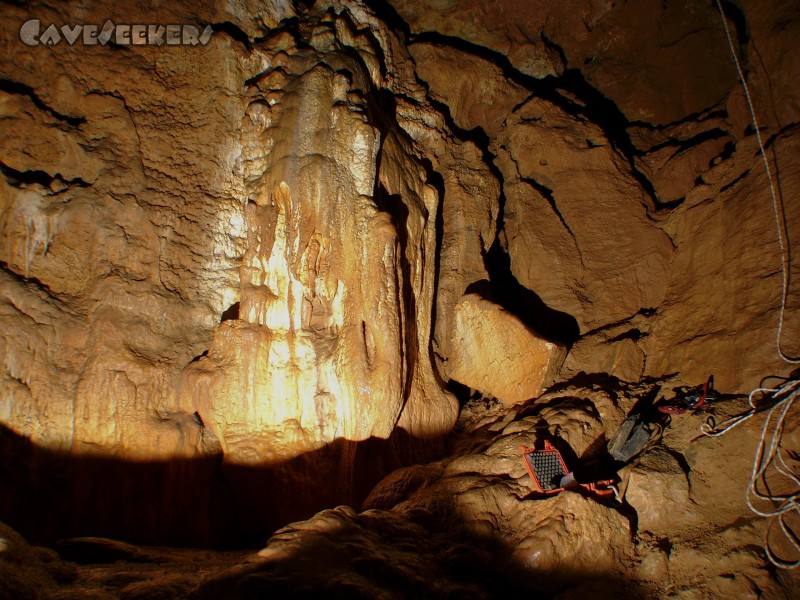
x: 245, y: 277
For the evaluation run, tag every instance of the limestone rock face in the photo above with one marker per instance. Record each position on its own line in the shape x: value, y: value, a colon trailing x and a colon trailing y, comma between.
x: 112, y: 275
x: 486, y: 483
x: 231, y: 268
x: 494, y: 353
x: 710, y: 287
x: 376, y: 554
x: 665, y: 532
x: 484, y: 99
x: 468, y: 526
x: 658, y: 490
x: 511, y: 29
x: 246, y: 260
x: 637, y: 68
x: 26, y: 571
x: 607, y: 175
x: 594, y: 251
x: 336, y: 282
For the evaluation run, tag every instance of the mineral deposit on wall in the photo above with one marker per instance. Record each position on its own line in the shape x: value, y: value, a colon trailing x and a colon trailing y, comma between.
x: 268, y: 247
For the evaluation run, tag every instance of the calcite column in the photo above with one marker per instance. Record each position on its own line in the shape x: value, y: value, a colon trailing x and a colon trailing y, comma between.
x: 332, y: 340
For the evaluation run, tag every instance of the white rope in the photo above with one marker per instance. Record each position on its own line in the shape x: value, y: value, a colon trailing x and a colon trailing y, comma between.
x: 769, y: 455
x: 783, y: 396
x: 780, y: 504
x: 784, y: 258
x: 713, y: 430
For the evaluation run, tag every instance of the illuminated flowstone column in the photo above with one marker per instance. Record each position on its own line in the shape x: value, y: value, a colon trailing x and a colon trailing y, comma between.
x: 333, y: 335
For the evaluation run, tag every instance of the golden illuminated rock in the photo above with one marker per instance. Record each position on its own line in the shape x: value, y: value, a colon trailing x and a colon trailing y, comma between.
x: 336, y: 284
x: 495, y: 353
x: 251, y: 252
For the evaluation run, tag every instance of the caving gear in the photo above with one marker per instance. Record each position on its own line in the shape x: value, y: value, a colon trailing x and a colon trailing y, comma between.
x: 550, y: 475
x: 690, y: 399
x: 633, y: 437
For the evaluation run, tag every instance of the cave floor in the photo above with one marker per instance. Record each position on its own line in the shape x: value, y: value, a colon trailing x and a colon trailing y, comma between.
x: 143, y: 572
x: 468, y: 525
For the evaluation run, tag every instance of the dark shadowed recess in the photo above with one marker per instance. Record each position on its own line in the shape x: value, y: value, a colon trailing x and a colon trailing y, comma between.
x: 199, y: 502
x: 526, y: 305
x: 231, y: 313
x: 424, y: 553
x: 503, y: 288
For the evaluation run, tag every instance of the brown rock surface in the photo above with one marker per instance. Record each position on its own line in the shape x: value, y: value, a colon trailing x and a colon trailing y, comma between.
x: 336, y: 291
x: 486, y: 482
x: 638, y: 68
x: 476, y: 504
x: 614, y: 269
x: 483, y: 98
x: 494, y: 353
x: 27, y: 571
x: 691, y: 528
x: 576, y: 221
x: 144, y: 200
x: 732, y: 277
x: 468, y: 525
x: 241, y: 282
x: 658, y: 490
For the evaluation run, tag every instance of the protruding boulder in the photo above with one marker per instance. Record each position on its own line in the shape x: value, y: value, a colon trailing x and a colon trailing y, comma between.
x: 495, y: 353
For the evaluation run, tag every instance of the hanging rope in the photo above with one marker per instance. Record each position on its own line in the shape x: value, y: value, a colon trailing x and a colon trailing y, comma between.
x: 778, y: 223
x: 768, y: 459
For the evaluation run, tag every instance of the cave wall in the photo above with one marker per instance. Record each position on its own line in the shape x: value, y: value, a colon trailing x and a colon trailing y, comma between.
x: 253, y: 250
x: 634, y: 199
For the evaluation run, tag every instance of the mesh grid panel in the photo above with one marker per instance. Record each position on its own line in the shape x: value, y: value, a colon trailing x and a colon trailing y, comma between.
x: 547, y: 468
